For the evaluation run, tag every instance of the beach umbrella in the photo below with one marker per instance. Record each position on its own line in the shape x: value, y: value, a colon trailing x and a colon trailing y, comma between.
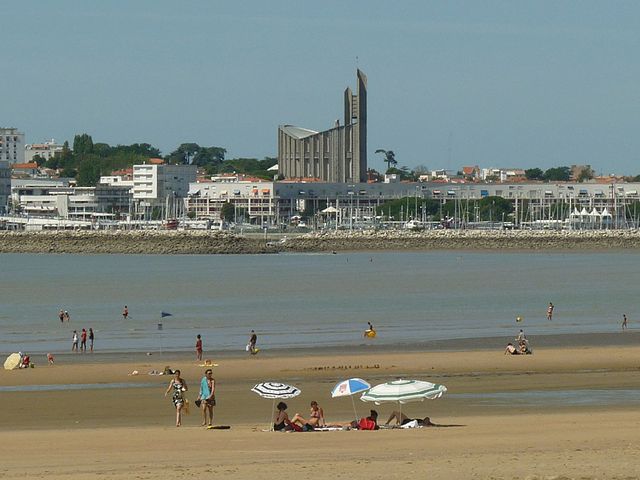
x: 349, y: 388
x: 403, y: 391
x: 12, y: 361
x: 275, y: 391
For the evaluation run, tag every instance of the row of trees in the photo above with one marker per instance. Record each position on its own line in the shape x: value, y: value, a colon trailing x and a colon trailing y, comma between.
x: 87, y: 161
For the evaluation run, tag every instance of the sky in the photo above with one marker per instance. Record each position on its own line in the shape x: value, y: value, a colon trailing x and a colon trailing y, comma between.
x: 507, y: 84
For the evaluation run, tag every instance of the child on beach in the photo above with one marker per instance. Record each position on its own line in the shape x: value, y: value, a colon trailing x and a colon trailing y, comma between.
x: 50, y: 358
x: 125, y: 313
x: 550, y: 311
x: 74, y: 339
x: 83, y: 341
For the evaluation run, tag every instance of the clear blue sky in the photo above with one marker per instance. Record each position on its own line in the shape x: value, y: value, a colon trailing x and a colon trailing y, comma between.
x: 494, y: 83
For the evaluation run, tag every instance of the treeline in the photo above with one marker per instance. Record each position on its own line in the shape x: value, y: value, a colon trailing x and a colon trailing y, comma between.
x: 87, y: 160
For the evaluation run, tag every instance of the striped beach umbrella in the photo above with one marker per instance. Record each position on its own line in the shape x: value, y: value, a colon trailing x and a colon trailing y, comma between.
x: 275, y: 391
x: 403, y: 391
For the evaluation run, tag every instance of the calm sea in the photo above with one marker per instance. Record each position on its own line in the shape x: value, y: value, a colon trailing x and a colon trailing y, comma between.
x: 300, y: 300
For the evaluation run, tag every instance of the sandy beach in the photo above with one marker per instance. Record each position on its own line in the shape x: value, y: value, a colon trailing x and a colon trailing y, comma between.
x: 129, y: 432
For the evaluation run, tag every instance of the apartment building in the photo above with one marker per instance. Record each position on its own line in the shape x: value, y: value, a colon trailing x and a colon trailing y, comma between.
x: 153, y: 184
x: 11, y: 145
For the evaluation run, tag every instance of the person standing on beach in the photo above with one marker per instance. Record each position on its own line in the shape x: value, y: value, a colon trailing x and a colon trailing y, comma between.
x: 198, y: 347
x: 624, y: 322
x: 550, y: 311
x: 61, y: 316
x: 83, y: 341
x: 253, y: 339
x: 67, y: 318
x: 91, y: 337
x: 74, y: 345
x: 125, y: 313
x: 207, y: 397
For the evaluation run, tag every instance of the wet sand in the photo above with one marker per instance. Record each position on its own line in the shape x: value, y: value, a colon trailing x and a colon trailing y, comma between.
x: 129, y: 433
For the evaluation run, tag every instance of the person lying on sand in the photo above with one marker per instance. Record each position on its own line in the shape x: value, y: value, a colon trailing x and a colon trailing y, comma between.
x: 402, y: 419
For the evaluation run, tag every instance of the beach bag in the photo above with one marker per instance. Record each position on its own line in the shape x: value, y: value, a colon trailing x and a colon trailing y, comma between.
x: 366, y: 424
x: 198, y: 402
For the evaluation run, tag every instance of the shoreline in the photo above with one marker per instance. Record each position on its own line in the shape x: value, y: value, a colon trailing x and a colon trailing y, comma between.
x: 216, y: 242
x: 628, y: 338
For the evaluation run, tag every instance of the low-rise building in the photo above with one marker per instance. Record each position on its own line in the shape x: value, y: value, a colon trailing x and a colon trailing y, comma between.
x: 44, y: 150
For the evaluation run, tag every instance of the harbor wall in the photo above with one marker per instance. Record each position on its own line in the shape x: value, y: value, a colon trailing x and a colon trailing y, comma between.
x: 195, y: 242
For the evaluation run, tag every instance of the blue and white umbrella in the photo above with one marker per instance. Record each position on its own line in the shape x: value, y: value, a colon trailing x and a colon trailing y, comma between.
x: 349, y: 388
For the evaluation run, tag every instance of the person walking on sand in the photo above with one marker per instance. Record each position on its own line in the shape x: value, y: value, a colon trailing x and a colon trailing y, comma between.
x: 198, y: 347
x: 83, y: 341
x: 178, y: 386
x: 207, y: 397
x: 74, y: 345
x: 61, y: 316
x: 624, y: 322
x: 91, y: 338
x: 550, y: 311
x: 67, y: 318
x: 125, y: 313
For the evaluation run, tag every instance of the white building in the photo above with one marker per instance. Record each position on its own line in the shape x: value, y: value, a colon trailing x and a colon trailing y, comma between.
x: 5, y: 184
x: 45, y: 150
x: 154, y: 183
x: 254, y: 200
x: 11, y: 145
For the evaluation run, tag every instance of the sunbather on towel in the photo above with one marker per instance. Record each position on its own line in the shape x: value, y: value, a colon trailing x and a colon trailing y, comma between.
x: 316, y: 417
x: 282, y: 417
x: 402, y: 419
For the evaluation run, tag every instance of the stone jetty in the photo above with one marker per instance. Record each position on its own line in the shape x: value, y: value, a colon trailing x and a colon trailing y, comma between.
x: 208, y: 242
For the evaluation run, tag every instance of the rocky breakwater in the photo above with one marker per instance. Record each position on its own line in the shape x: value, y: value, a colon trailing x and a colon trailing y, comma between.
x: 466, y: 240
x: 129, y: 242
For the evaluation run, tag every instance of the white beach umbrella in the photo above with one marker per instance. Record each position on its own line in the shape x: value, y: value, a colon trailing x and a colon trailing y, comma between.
x: 403, y: 391
x: 330, y: 210
x: 12, y: 361
x: 275, y: 391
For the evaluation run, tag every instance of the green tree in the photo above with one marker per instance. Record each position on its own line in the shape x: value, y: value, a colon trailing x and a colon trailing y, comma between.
x: 39, y: 160
x: 389, y: 158
x: 557, y: 174
x: 184, y: 154
x: 82, y: 144
x: 88, y: 173
x: 534, y: 174
x: 228, y: 212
